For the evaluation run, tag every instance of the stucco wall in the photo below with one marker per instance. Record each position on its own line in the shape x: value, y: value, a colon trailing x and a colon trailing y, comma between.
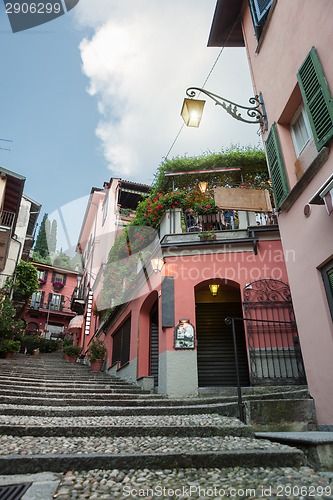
x: 294, y: 27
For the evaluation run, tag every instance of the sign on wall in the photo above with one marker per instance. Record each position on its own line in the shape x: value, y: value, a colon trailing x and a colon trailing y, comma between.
x: 184, y: 335
x: 252, y: 200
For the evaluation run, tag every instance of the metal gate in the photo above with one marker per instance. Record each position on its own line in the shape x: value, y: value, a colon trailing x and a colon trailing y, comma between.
x: 274, y: 349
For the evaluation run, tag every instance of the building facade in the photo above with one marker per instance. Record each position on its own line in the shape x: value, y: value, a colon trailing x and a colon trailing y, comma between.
x: 291, y: 63
x: 109, y: 209
x: 49, y: 313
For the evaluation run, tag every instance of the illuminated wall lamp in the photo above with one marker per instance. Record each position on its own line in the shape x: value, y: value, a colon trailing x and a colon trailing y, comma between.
x: 214, y: 288
x: 157, y: 264
x: 193, y: 108
x: 203, y: 186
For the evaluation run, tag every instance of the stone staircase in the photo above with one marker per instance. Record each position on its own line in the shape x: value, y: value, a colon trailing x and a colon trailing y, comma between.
x: 55, y: 416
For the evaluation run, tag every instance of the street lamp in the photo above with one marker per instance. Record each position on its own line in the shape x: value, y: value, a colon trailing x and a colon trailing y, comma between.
x: 193, y: 108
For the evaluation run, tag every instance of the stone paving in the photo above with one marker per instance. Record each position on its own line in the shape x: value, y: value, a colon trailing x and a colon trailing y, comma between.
x: 201, y: 483
x: 166, y: 438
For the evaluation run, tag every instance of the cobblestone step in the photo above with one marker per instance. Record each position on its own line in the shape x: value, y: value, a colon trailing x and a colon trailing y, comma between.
x: 55, y: 416
x: 127, y: 408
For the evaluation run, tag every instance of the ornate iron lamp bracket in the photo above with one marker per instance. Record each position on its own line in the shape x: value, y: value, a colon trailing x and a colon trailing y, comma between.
x: 254, y: 114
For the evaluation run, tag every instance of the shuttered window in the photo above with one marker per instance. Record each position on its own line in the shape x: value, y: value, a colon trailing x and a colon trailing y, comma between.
x: 327, y: 275
x: 317, y: 98
x: 259, y: 11
x: 276, y: 166
x: 121, y: 343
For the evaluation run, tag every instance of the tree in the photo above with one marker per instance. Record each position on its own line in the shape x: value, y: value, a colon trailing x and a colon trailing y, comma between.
x: 41, y: 246
x: 9, y: 326
x: 53, y: 237
x: 25, y: 280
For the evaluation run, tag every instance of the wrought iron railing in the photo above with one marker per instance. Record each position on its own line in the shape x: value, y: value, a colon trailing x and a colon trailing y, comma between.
x: 224, y: 220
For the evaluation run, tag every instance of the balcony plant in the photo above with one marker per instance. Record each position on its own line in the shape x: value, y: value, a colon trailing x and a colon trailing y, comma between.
x: 9, y: 347
x: 72, y: 352
x: 58, y: 285
x: 41, y: 281
x: 207, y: 235
x: 96, y: 353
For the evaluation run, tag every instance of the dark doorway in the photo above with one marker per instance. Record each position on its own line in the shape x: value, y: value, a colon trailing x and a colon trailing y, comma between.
x: 154, y: 343
x: 216, y: 359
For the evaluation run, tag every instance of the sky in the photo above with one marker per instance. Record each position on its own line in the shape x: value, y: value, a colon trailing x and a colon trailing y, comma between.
x: 97, y: 93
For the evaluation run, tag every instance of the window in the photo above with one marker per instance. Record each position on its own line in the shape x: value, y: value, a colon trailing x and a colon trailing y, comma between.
x: 317, y: 98
x: 59, y: 278
x: 37, y: 300
x: 327, y: 275
x: 105, y: 207
x: 259, y: 11
x: 55, y: 302
x: 121, y: 343
x: 300, y: 130
x: 41, y: 275
x: 276, y: 166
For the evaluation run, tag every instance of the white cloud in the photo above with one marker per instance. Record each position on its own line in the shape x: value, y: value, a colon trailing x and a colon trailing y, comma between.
x: 139, y: 61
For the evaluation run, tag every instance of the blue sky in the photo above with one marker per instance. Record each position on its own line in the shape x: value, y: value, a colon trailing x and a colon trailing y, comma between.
x: 97, y: 93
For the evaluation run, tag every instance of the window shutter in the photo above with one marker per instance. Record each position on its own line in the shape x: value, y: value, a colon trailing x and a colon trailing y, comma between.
x: 53, y: 276
x: 317, y: 98
x: 49, y: 300
x: 45, y: 275
x: 64, y: 279
x: 261, y: 8
x: 41, y: 304
x: 62, y: 302
x: 276, y: 166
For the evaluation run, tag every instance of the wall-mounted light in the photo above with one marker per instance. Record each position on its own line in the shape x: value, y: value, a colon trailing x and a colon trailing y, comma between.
x: 157, y: 264
x: 193, y: 108
x: 214, y: 288
x: 203, y: 186
x: 192, y: 112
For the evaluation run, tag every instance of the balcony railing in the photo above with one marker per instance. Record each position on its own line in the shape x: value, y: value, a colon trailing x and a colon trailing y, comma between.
x: 6, y: 218
x: 226, y: 220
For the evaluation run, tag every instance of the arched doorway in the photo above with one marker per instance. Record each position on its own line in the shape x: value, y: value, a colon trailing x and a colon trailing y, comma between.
x: 148, y: 346
x: 215, y: 349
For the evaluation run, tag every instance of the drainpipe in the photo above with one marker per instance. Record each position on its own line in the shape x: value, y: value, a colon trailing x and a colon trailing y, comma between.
x: 15, y: 238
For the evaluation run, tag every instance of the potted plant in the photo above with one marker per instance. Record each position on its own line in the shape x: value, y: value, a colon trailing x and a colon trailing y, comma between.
x: 207, y: 235
x: 96, y: 353
x: 72, y: 352
x: 57, y: 285
x: 9, y: 347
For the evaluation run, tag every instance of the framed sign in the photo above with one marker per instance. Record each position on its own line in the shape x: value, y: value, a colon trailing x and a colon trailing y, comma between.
x: 184, y: 335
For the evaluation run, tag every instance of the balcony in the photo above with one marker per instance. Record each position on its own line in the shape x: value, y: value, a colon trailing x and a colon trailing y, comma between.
x: 178, y: 228
x: 78, y: 300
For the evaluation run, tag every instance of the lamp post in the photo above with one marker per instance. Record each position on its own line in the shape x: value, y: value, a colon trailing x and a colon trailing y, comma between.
x: 193, y: 108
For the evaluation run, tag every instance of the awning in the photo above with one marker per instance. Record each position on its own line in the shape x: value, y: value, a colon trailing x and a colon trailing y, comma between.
x: 75, y: 323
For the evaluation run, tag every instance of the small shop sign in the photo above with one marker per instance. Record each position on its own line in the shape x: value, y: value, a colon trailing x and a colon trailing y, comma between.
x: 184, y: 335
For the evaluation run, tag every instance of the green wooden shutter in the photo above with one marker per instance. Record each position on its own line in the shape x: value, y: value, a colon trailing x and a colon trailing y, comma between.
x: 276, y: 166
x: 317, y: 98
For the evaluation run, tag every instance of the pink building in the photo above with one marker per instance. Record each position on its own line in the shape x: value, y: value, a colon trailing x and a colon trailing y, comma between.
x: 167, y: 298
x: 288, y: 44
x: 50, y: 307
x: 109, y: 209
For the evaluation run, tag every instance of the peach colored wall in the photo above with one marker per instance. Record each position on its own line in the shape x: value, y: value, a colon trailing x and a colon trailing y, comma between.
x: 240, y: 267
x: 293, y: 29
x: 189, y: 271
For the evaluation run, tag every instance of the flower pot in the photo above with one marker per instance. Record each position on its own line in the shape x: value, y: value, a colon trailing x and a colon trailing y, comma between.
x: 9, y: 355
x: 95, y: 366
x: 72, y: 359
